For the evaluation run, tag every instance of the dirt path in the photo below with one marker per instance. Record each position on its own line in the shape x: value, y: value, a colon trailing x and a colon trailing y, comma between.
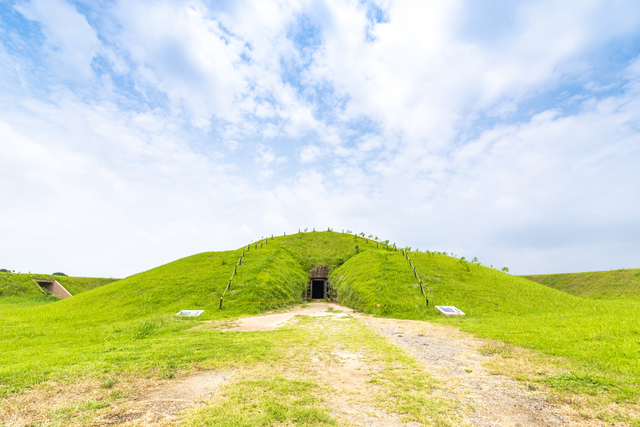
x: 453, y: 358
x: 272, y: 321
x: 450, y: 356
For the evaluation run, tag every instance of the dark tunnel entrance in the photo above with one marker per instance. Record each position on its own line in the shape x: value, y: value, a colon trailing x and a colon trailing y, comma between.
x: 317, y: 289
x: 318, y: 283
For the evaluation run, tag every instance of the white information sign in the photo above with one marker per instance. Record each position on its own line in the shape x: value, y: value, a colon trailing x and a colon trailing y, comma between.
x: 190, y: 313
x: 449, y: 310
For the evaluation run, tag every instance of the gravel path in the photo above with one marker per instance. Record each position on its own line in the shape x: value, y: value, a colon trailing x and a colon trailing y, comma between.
x: 452, y: 357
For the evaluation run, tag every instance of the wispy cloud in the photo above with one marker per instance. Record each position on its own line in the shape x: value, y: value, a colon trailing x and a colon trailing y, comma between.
x: 152, y: 130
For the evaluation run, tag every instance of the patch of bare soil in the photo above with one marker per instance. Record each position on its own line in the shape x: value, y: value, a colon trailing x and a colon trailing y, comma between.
x: 351, y: 400
x: 347, y: 375
x: 135, y: 401
x: 453, y: 358
x: 159, y: 406
x: 270, y: 322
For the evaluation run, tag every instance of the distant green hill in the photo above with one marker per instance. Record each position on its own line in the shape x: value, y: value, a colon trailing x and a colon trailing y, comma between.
x: 18, y: 284
x: 594, y: 284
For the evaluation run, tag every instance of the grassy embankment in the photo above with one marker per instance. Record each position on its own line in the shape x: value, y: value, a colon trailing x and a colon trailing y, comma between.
x: 128, y: 326
x: 614, y: 284
x: 22, y: 284
x: 600, y: 337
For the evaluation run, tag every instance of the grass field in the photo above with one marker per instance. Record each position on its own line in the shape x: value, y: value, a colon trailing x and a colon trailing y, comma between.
x: 129, y: 326
x: 614, y: 284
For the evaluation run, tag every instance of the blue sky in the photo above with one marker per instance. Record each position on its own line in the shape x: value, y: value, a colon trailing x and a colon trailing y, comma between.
x: 133, y: 133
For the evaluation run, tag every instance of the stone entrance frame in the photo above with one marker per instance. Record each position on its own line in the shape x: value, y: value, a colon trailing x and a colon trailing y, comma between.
x: 319, y: 282
x: 54, y: 287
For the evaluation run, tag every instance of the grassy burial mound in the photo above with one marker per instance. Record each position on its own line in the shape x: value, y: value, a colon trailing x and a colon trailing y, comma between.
x: 129, y: 325
x: 622, y: 284
x: 22, y: 285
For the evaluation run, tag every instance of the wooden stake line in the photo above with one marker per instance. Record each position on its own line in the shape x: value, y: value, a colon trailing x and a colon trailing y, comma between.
x: 405, y: 253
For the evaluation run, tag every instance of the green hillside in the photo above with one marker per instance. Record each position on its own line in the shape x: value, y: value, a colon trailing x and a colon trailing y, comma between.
x: 18, y: 284
x: 593, y: 333
x: 623, y: 283
x: 130, y: 324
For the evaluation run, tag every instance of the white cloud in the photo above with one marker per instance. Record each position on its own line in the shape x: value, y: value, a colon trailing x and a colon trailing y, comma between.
x: 309, y: 154
x: 423, y: 78
x: 181, y: 50
x: 412, y: 117
x: 71, y: 43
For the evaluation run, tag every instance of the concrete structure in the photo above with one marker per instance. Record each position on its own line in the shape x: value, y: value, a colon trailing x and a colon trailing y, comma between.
x: 319, y: 286
x: 54, y: 287
x: 318, y: 282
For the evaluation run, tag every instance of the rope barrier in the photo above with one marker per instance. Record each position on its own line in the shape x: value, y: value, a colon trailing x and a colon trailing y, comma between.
x: 415, y: 273
x: 235, y: 269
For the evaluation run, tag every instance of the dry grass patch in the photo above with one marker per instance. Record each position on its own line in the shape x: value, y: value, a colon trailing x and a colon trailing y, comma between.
x: 332, y: 372
x: 555, y: 376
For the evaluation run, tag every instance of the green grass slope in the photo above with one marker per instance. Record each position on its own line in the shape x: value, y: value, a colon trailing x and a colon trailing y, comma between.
x: 18, y: 284
x: 597, y: 335
x: 78, y: 333
x: 130, y: 323
x: 594, y: 284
